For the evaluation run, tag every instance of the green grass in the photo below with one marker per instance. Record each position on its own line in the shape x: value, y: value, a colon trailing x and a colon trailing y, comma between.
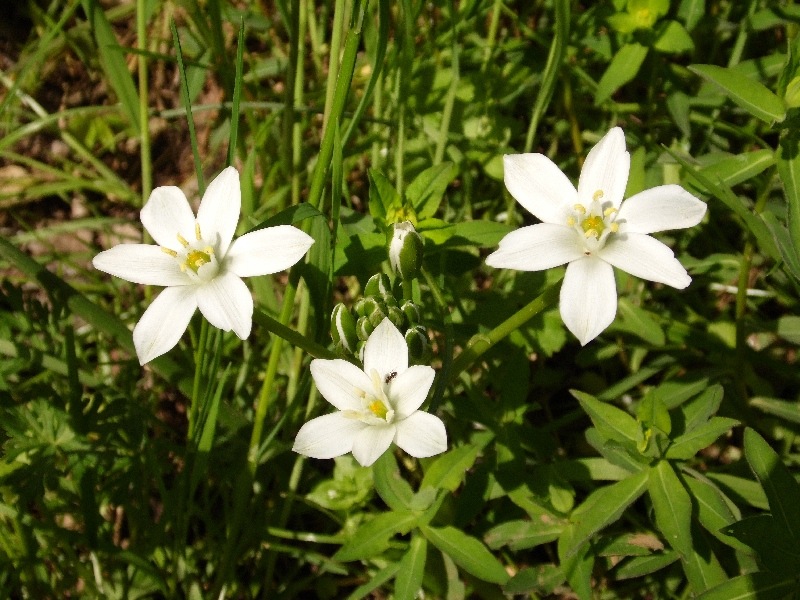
x: 659, y: 460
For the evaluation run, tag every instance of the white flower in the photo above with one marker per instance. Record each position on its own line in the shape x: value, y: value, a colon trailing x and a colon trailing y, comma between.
x: 197, y: 262
x: 376, y: 406
x: 593, y: 230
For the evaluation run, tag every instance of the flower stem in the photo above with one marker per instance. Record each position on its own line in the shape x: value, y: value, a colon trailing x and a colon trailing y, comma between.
x: 199, y: 363
x: 481, y: 342
x: 144, y: 120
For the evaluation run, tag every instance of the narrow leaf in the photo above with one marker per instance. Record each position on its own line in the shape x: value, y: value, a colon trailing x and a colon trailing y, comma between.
x: 425, y: 193
x: 412, y: 568
x: 448, y: 471
x: 467, y: 552
x: 754, y: 586
x: 751, y: 95
x: 689, y: 444
x: 623, y: 68
x: 373, y: 537
x: 612, y: 422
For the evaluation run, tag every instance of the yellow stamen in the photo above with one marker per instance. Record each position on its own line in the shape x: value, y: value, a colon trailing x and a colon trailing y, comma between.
x: 197, y: 231
x: 579, y: 208
x: 615, y: 227
x: 570, y: 221
x: 197, y: 258
x: 609, y: 211
x: 597, y: 195
x: 183, y: 241
x: 593, y: 226
x: 168, y: 251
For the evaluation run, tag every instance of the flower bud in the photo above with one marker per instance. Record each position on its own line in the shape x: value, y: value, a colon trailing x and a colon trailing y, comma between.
x: 396, y: 316
x: 406, y: 250
x: 378, y: 284
x: 411, y: 311
x: 359, y: 307
x: 417, y: 341
x: 343, y: 328
x: 364, y: 328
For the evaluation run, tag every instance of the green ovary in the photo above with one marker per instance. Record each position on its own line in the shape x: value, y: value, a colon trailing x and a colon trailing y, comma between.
x: 378, y: 408
x: 593, y: 226
x: 197, y: 258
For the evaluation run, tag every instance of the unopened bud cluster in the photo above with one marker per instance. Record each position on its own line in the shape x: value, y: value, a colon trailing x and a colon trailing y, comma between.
x: 350, y: 328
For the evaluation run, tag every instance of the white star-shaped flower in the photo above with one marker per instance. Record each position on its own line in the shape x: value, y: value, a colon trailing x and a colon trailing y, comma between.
x: 593, y: 230
x: 197, y: 262
x: 377, y: 406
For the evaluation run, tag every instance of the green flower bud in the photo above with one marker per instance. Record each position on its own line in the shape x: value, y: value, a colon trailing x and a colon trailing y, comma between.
x: 364, y: 328
x: 376, y: 317
x: 377, y: 285
x: 417, y: 340
x: 359, y: 307
x: 370, y: 306
x: 411, y: 311
x: 406, y: 250
x: 343, y: 328
x: 389, y: 299
x: 396, y: 316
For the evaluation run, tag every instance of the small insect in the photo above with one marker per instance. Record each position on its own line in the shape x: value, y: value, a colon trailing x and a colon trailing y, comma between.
x: 391, y: 376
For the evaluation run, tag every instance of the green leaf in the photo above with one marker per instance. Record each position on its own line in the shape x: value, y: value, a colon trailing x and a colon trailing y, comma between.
x: 672, y: 506
x: 789, y: 411
x: 639, y: 566
x: 776, y: 550
x: 390, y: 485
x: 289, y: 216
x: 714, y: 511
x: 673, y: 39
x: 689, y: 444
x: 754, y: 586
x: 611, y: 422
x: 412, y: 569
x: 448, y: 470
x: 541, y: 578
x: 483, y: 234
x: 602, y: 507
x: 698, y: 411
x: 788, y: 157
x: 638, y: 321
x: 520, y: 534
x: 779, y: 485
x: 749, y: 94
x: 383, y: 198
x: 623, y: 68
x: 373, y: 537
x: 740, y: 489
x: 467, y: 552
x: 622, y: 455
x: 733, y: 170
x: 425, y: 193
x: 576, y: 565
x: 789, y: 328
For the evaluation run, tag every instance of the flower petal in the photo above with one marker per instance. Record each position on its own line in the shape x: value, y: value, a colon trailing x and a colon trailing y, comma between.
x: 327, y: 436
x: 220, y: 207
x: 421, y: 435
x: 409, y: 389
x: 386, y: 350
x: 645, y: 257
x: 267, y: 250
x: 341, y: 383
x: 537, y: 247
x: 588, y: 300
x: 164, y: 322
x: 227, y: 304
x: 166, y: 214
x: 141, y: 263
x: 606, y: 169
x: 659, y: 209
x: 539, y: 186
x: 371, y: 442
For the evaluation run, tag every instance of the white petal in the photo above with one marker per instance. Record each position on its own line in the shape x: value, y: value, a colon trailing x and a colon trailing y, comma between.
x: 421, y: 435
x: 327, y: 436
x: 386, y: 350
x: 537, y: 247
x: 220, y: 207
x: 341, y: 383
x: 606, y: 168
x: 267, y: 250
x: 371, y: 442
x: 539, y: 186
x: 164, y: 322
x: 660, y: 209
x: 588, y: 302
x: 227, y: 304
x: 645, y: 257
x: 141, y: 263
x: 409, y: 389
x: 166, y: 214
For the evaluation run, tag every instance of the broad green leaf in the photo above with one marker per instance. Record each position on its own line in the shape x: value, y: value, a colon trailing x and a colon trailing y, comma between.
x: 638, y: 321
x: 612, y: 422
x: 576, y: 564
x: 390, y: 485
x: 691, y: 11
x: 735, y: 169
x: 467, y: 552
x: 412, y: 568
x: 373, y: 537
x: 672, y: 506
x: 713, y: 512
x: 652, y: 412
x: 699, y: 410
x: 622, y: 455
x: 789, y: 328
x: 520, y: 535
x: 789, y: 411
x: 541, y: 578
x: 448, y: 470
x: 383, y: 198
x: 748, y: 93
x: 623, y: 68
x: 776, y: 550
x: 689, y: 444
x: 673, y: 39
x: 481, y: 233
x: 779, y: 485
x: 639, y: 566
x: 740, y: 489
x: 425, y: 193
x: 602, y: 507
x: 754, y: 586
x: 588, y: 470
x: 628, y: 544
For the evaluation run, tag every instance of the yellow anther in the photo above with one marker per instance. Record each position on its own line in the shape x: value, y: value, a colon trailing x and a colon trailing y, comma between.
x: 197, y: 231
x: 579, y: 208
x: 197, y: 258
x: 590, y: 233
x: 183, y: 241
x: 593, y: 226
x: 570, y: 221
x: 168, y: 251
x: 609, y: 211
x: 615, y: 227
x: 378, y: 408
x: 597, y: 195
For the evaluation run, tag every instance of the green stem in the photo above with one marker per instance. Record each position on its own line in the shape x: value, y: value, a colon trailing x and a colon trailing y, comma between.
x: 482, y: 342
x: 290, y: 335
x: 144, y: 120
x: 491, y: 36
x: 555, y: 59
x: 450, y: 99
x: 199, y: 363
x: 198, y: 164
x: 333, y: 61
x: 297, y: 100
